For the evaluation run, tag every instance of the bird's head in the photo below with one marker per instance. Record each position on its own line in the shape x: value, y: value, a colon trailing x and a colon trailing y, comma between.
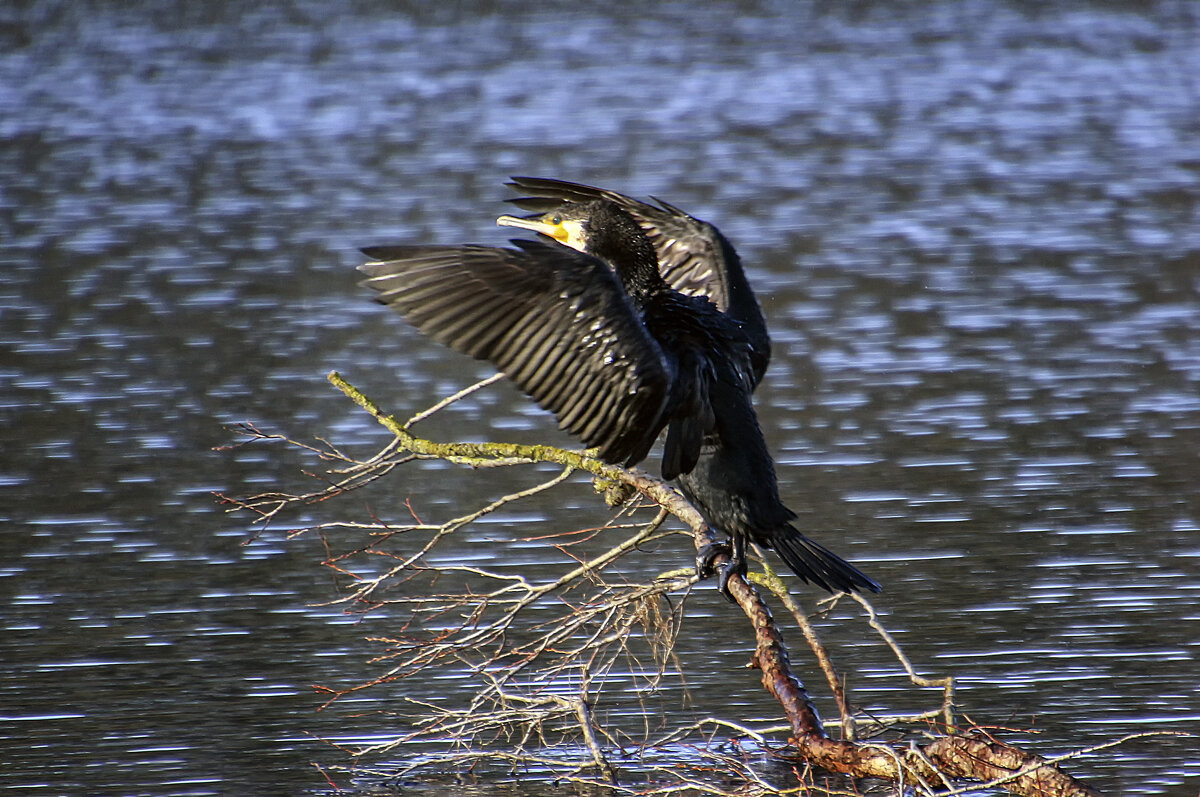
x: 599, y: 227
x: 568, y: 224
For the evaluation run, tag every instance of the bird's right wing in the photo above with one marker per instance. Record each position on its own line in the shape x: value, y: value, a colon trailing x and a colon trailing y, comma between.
x: 555, y: 321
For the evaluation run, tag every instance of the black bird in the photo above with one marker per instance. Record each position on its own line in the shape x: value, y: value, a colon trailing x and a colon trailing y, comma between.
x: 733, y: 484
x: 600, y: 338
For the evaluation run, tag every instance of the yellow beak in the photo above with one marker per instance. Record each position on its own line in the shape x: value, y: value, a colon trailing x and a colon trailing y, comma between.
x: 556, y: 231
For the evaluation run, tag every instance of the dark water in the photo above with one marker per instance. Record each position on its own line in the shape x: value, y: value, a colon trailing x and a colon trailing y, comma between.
x: 975, y: 228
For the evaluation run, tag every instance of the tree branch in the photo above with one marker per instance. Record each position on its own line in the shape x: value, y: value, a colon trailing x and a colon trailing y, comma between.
x: 595, y: 622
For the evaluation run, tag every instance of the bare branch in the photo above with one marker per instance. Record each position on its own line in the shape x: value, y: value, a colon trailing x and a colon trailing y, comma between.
x: 552, y: 667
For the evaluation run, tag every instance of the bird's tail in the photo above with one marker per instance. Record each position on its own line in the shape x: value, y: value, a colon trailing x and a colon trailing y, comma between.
x: 815, y: 563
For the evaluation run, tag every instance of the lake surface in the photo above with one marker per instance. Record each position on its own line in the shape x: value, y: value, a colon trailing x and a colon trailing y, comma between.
x: 974, y: 228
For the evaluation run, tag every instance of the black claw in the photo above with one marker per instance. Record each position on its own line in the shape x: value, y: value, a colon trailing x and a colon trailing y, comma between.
x: 736, y: 567
x: 723, y: 583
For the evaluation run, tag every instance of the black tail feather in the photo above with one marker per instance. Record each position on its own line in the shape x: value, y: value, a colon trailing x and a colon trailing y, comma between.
x: 817, y: 564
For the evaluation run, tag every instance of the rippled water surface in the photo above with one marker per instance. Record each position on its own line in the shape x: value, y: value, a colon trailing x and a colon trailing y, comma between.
x: 974, y: 228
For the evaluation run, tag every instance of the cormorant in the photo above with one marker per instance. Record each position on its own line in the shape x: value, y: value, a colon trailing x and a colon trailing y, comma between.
x: 733, y: 485
x: 603, y: 337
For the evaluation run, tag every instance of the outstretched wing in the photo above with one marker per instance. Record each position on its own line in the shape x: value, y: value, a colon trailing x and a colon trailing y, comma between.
x: 693, y: 256
x: 555, y: 321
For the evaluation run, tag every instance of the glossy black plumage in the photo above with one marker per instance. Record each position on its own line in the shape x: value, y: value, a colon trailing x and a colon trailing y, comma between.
x: 596, y: 337
x: 733, y: 484
x: 554, y: 321
x: 676, y: 340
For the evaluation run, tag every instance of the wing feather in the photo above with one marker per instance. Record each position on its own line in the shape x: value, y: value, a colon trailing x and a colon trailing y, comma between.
x: 691, y: 256
x: 555, y: 321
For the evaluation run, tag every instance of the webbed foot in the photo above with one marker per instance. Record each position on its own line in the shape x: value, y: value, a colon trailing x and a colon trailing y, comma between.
x: 706, y: 565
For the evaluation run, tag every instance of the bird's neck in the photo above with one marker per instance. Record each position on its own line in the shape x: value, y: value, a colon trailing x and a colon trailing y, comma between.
x: 639, y: 274
x: 632, y: 256
x: 616, y: 238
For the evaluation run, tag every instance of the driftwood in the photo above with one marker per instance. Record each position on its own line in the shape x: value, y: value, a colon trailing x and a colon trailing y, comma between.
x: 517, y: 720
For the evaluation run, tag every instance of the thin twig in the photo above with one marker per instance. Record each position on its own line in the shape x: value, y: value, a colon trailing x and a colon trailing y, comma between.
x: 542, y: 661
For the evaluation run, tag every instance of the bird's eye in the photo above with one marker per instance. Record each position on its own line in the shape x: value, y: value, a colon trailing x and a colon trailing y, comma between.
x: 556, y: 219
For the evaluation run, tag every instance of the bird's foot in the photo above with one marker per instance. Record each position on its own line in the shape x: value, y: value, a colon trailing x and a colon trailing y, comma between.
x: 706, y: 566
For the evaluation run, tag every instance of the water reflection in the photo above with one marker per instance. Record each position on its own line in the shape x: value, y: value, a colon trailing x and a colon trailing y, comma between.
x: 975, y: 230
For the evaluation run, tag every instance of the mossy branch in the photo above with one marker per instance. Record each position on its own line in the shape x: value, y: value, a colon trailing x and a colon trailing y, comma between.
x: 480, y: 455
x: 478, y: 629
x: 955, y: 755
